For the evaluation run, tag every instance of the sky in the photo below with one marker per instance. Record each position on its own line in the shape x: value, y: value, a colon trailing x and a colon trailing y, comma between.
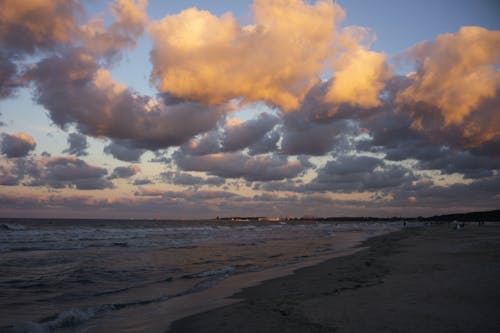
x: 196, y: 109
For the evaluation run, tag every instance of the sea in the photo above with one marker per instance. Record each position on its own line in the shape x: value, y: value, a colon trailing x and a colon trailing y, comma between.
x: 140, y: 275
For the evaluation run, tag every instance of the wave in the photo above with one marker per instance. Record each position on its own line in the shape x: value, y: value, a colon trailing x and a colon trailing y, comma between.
x: 12, y: 226
x: 65, y: 319
x: 222, y: 271
x: 74, y: 317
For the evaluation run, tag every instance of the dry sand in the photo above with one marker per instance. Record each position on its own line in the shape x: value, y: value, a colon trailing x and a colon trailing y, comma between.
x: 432, y: 279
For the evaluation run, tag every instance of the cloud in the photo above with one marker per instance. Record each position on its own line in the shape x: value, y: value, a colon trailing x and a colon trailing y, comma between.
x: 303, y: 134
x: 8, y: 177
x: 125, y: 171
x: 277, y: 59
x: 267, y: 144
x: 32, y: 25
x: 75, y: 91
x: 17, y: 144
x: 348, y: 174
x: 358, y: 79
x: 184, y: 178
x: 61, y: 172
x: 58, y: 172
x: 8, y: 71
x: 463, y: 162
x: 456, y: 71
x: 130, y: 18
x: 481, y: 193
x: 142, y: 181
x: 238, y: 136
x: 45, y: 25
x: 239, y: 165
x: 77, y: 145
x: 204, y: 144
x: 455, y: 88
x: 122, y: 151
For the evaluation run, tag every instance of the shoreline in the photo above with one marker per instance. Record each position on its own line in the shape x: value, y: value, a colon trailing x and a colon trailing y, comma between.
x: 157, y: 316
x: 431, y: 279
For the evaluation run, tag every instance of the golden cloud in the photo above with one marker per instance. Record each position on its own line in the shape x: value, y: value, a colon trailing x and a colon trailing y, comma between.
x: 197, y: 55
x: 455, y: 72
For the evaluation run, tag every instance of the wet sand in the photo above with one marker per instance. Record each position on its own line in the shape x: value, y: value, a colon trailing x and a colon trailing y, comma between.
x: 432, y: 279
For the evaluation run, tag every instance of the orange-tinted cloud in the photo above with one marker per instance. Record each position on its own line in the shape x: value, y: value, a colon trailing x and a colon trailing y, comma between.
x: 30, y: 24
x: 129, y: 21
x: 278, y: 58
x: 359, y: 77
x: 455, y: 72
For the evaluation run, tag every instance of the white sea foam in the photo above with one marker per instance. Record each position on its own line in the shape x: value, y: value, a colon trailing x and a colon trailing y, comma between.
x: 221, y: 271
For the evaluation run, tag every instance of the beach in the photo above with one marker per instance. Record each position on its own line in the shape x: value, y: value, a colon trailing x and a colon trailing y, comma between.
x: 140, y: 276
x: 426, y: 279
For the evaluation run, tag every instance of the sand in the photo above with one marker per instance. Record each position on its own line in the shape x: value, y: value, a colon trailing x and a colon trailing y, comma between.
x: 432, y: 279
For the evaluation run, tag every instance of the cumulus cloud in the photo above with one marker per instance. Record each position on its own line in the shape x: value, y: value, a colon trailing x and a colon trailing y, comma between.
x: 77, y: 145
x: 50, y: 24
x: 239, y: 165
x: 75, y: 91
x: 184, y: 178
x: 8, y: 71
x: 204, y: 144
x: 456, y: 71
x: 8, y: 176
x: 129, y: 21
x: 122, y: 151
x: 142, y: 181
x: 349, y: 174
x: 37, y: 24
x: 125, y: 171
x: 59, y: 172
x: 358, y: 79
x: 240, y: 135
x: 17, y: 144
x: 267, y: 144
x: 463, y: 162
x: 455, y: 88
x: 303, y: 134
x: 277, y: 59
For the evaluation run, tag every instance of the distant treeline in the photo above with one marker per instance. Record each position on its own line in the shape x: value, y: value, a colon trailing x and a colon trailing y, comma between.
x: 488, y: 216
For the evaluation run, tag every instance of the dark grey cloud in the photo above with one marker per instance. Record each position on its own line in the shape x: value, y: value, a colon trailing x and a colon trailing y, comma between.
x: 8, y: 177
x: 348, y: 174
x: 464, y: 163
x: 240, y: 136
x: 8, y: 72
x: 75, y: 91
x: 142, y: 181
x: 239, y: 165
x: 481, y: 193
x: 121, y: 150
x: 204, y: 144
x: 124, y: 171
x: 77, y: 145
x: 183, y: 178
x: 62, y: 172
x: 317, y: 127
x: 392, y: 134
x: 17, y: 144
x: 267, y: 144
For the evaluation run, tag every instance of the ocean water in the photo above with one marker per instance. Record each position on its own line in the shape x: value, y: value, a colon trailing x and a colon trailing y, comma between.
x: 103, y: 276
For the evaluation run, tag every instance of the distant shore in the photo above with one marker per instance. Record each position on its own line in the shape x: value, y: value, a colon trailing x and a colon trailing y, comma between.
x: 433, y: 279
